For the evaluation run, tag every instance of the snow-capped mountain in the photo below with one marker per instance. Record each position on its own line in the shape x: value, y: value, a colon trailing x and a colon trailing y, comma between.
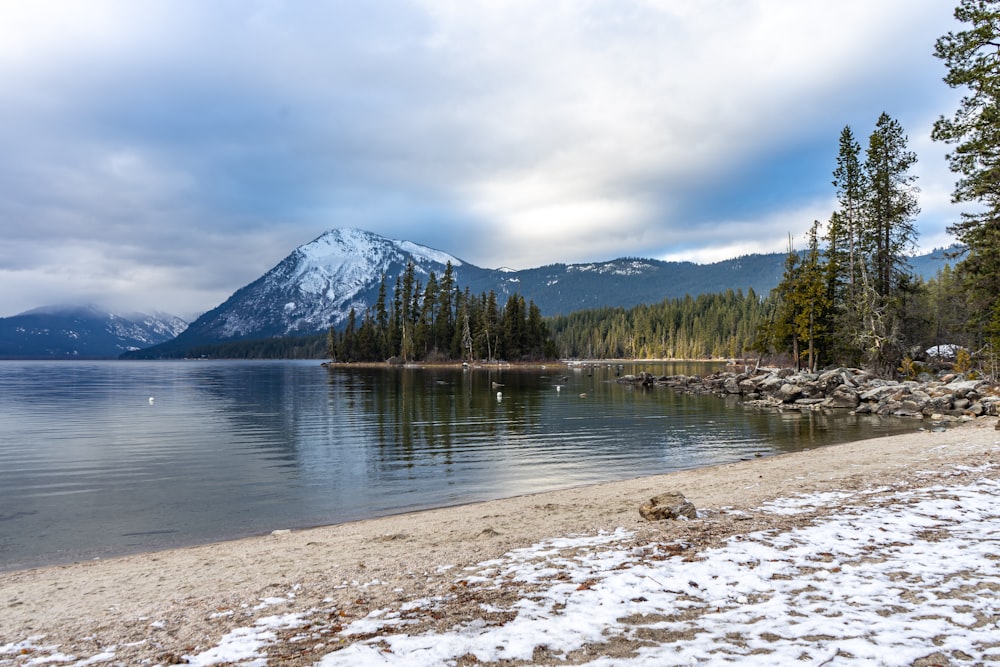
x: 317, y: 285
x: 82, y: 332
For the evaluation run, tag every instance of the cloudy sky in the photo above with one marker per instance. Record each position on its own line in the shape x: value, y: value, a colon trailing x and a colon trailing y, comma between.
x: 160, y: 154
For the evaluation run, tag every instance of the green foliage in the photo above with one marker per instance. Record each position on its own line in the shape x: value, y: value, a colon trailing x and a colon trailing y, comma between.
x: 850, y: 299
x: 708, y: 326
x: 972, y: 58
x: 437, y: 322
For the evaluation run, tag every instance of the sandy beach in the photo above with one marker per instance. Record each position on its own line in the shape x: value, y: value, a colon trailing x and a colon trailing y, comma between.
x: 178, y: 606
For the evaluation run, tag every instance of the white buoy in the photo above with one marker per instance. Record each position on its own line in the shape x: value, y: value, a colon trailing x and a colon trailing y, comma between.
x: 151, y: 400
x: 499, y: 396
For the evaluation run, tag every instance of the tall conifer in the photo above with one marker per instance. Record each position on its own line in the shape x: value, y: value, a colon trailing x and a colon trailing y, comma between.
x: 972, y: 58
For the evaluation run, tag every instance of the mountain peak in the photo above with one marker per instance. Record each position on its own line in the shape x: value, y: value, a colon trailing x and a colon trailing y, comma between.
x: 346, y: 244
x: 316, y: 286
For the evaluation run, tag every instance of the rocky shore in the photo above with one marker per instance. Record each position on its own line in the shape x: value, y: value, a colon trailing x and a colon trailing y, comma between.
x: 948, y: 397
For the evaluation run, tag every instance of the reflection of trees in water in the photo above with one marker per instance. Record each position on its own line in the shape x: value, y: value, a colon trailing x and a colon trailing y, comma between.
x: 404, y: 418
x: 444, y: 412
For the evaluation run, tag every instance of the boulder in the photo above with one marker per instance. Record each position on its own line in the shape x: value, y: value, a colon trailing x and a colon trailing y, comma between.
x: 670, y: 505
x: 962, y: 387
x: 788, y: 393
x: 878, y: 393
x: 844, y: 397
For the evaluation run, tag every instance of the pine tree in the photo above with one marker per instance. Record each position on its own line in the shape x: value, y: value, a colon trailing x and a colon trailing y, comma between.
x: 972, y: 58
x: 810, y: 294
x: 891, y: 205
x: 381, y: 323
x: 851, y: 181
x: 887, y: 235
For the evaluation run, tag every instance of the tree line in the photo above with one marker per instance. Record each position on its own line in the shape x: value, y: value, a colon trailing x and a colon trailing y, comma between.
x: 437, y: 321
x: 706, y: 326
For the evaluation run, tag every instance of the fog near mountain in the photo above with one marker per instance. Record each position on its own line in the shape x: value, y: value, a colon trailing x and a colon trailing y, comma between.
x: 82, y: 332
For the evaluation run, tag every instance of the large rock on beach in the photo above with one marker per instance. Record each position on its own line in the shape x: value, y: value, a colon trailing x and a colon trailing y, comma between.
x: 670, y: 505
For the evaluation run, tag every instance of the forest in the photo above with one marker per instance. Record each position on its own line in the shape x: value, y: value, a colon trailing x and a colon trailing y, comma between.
x: 440, y: 322
x: 707, y: 326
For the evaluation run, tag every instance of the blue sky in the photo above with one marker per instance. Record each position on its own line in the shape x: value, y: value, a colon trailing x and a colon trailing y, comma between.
x: 160, y: 154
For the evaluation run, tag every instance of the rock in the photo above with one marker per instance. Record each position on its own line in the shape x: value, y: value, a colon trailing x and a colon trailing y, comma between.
x: 878, y: 393
x: 843, y: 397
x: 962, y: 387
x: 807, y: 402
x: 907, y: 408
x: 670, y: 505
x: 788, y: 393
x: 770, y: 385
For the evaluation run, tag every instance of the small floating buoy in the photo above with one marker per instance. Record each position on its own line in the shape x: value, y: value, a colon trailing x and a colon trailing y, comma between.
x: 151, y: 400
x: 499, y: 396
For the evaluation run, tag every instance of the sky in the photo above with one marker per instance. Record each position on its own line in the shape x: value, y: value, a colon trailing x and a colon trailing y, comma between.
x: 160, y: 154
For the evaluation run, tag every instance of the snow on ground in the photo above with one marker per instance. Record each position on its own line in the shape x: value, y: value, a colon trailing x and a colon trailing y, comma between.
x: 879, y: 577
x: 862, y: 587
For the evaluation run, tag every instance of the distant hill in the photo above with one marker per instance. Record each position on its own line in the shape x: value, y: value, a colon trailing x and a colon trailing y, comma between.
x: 318, y: 284
x: 82, y: 332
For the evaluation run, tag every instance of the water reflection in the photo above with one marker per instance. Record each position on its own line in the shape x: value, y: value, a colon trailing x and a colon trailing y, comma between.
x: 90, y: 467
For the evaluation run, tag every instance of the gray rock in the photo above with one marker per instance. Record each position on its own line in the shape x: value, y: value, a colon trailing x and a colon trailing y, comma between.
x: 878, y: 393
x: 962, y: 387
x: 843, y: 397
x: 788, y: 393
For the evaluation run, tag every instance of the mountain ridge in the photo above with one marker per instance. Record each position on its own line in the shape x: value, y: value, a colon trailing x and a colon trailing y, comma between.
x: 82, y: 332
x: 316, y: 286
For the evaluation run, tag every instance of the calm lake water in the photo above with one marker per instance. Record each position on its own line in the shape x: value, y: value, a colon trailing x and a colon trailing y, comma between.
x: 89, y: 467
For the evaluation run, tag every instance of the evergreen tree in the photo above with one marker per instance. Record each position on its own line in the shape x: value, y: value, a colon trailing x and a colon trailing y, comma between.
x: 381, y: 323
x: 972, y: 58
x: 888, y: 233
x: 844, y: 234
x: 444, y: 319
x: 810, y: 294
x: 891, y: 206
x: 781, y: 328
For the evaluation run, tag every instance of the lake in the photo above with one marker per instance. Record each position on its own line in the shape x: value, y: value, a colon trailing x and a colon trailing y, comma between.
x: 106, y: 458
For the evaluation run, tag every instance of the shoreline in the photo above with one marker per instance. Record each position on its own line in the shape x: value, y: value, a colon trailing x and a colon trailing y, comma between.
x: 169, y: 603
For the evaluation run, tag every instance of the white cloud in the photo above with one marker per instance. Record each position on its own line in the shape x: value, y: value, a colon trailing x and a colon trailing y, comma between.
x: 506, y: 132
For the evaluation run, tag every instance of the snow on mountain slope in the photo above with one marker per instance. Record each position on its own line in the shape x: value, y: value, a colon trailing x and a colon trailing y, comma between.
x: 317, y: 285
x: 76, y: 332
